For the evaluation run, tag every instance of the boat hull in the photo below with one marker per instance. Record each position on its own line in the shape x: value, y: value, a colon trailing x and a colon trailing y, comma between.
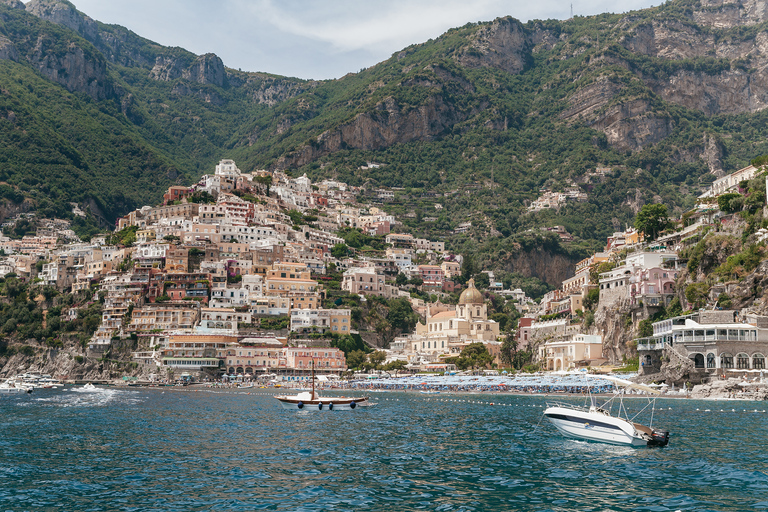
x: 594, y: 426
x: 323, y: 403
x: 14, y: 391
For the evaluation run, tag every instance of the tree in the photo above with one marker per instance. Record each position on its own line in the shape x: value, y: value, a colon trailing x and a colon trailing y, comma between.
x: 645, y: 328
x: 651, y: 219
x: 508, y: 348
x: 474, y: 355
x: 377, y: 359
x: 468, y: 268
x: 696, y: 294
x: 727, y: 203
x: 482, y: 281
x: 724, y: 301
x: 356, y: 359
x: 592, y: 298
x: 265, y: 182
x: 401, y: 315
x: 401, y: 280
x: 397, y: 366
x: 339, y: 251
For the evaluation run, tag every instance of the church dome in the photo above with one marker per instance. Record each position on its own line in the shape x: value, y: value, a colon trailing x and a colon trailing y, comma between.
x: 471, y: 295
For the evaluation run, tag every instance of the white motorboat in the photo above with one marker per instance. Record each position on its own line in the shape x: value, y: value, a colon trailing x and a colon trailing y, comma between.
x: 89, y: 387
x: 14, y: 387
x: 311, y: 401
x: 596, y: 423
x: 39, y: 381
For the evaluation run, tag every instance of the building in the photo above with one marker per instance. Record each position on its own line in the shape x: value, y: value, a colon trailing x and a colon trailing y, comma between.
x: 431, y: 276
x: 165, y: 316
x: 708, y: 342
x: 176, y: 193
x: 644, y: 277
x: 177, y: 259
x: 195, y: 352
x: 223, y: 318
x: 730, y: 183
x: 448, y: 329
x: 291, y: 286
x: 451, y: 269
x: 366, y: 281
x: 307, y: 321
x: 324, y: 359
x: 255, y: 356
x: 579, y: 351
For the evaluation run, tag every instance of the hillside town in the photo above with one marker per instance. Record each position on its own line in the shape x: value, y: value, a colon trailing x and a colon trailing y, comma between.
x: 245, y: 275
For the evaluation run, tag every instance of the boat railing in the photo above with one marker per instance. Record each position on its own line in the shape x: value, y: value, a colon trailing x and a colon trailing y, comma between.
x: 565, y: 405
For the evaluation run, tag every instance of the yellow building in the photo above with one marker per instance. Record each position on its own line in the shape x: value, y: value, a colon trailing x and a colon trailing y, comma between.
x: 290, y: 286
x: 581, y: 350
x: 164, y: 315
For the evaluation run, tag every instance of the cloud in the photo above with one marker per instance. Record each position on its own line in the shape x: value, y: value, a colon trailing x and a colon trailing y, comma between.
x: 353, y: 25
x: 316, y: 38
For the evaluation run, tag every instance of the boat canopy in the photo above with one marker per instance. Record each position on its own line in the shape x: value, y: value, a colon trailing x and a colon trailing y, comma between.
x: 631, y: 385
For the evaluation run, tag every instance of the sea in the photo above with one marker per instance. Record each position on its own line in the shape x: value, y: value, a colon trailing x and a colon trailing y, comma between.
x: 183, y: 449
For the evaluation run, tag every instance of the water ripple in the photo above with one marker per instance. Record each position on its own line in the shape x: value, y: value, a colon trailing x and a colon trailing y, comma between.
x: 181, y: 450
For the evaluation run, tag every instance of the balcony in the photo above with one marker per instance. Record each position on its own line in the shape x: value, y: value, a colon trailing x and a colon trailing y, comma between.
x: 650, y: 344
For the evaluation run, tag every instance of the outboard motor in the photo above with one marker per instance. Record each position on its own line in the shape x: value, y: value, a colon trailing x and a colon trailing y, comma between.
x: 659, y: 438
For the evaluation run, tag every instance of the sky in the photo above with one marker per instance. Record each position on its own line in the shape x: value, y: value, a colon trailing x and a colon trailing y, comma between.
x: 318, y: 39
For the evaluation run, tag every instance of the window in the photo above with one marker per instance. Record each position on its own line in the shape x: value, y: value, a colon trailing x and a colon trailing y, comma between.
x: 726, y: 361
x: 742, y: 362
x: 758, y: 362
x: 710, y: 360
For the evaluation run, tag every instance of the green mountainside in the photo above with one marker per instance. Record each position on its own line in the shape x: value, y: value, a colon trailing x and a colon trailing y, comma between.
x: 479, y: 120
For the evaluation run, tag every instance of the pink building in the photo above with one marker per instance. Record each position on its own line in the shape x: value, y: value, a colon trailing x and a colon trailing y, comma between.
x: 300, y: 358
x: 432, y: 275
x: 654, y: 286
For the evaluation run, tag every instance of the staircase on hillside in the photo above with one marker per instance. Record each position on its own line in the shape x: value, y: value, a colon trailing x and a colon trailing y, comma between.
x: 677, y: 365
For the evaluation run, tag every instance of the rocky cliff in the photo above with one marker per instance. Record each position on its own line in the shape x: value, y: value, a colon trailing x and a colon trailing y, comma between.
x: 550, y: 267
x: 503, y: 44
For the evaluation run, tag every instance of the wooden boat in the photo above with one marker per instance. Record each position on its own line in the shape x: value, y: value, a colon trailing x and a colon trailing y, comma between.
x: 312, y: 401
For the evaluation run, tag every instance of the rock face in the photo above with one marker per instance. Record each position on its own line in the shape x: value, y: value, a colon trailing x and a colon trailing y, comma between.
x: 731, y: 388
x: 630, y: 126
x: 713, y: 155
x: 166, y: 68
x: 729, y: 92
x: 731, y: 13
x: 65, y: 14
x: 13, y: 4
x: 272, y: 91
x: 614, y: 324
x: 386, y: 125
x: 8, y: 50
x: 73, y: 364
x: 206, y: 69
x: 503, y: 44
x: 551, y: 268
x: 75, y: 69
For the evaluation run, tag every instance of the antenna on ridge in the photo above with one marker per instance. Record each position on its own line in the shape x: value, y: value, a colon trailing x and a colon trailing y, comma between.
x: 571, y: 11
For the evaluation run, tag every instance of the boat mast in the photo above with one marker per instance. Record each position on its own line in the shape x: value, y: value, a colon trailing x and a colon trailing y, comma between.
x: 312, y: 364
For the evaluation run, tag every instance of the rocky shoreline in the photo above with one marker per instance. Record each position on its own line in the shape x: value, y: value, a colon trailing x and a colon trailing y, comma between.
x: 731, y: 388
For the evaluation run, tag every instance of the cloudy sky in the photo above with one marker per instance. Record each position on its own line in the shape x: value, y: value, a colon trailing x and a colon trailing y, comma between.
x: 318, y: 38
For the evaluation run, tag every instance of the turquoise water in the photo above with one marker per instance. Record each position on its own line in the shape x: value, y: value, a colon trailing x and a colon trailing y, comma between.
x: 142, y: 450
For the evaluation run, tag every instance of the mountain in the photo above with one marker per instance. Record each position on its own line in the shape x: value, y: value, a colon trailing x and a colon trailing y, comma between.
x: 478, y: 121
